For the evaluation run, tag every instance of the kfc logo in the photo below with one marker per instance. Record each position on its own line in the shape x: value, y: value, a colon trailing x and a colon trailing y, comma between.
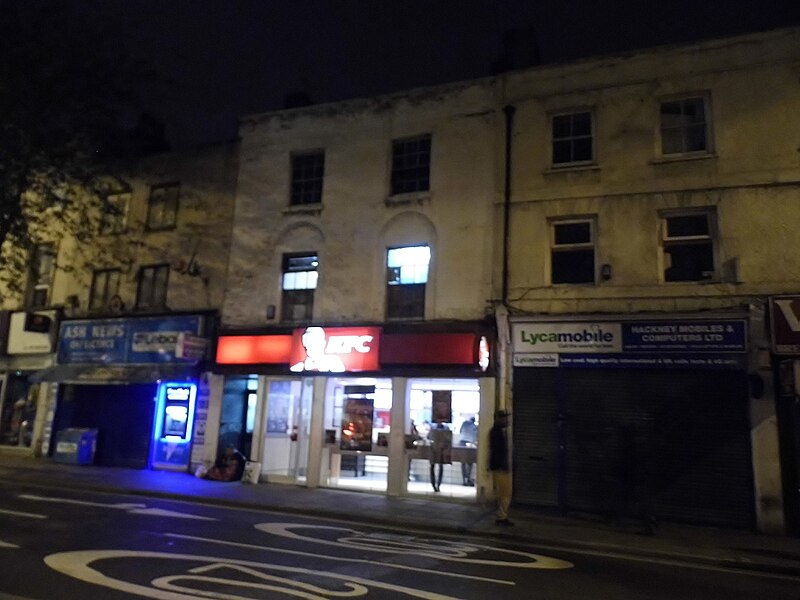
x: 335, y: 350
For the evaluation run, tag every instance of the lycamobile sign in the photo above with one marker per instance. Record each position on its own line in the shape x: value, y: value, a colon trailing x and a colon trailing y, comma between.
x: 567, y: 337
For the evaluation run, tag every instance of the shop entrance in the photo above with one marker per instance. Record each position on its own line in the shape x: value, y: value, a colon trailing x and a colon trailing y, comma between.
x: 237, y: 418
x: 287, y: 428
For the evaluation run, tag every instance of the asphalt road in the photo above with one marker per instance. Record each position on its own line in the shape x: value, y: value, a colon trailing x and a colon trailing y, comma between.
x: 67, y: 545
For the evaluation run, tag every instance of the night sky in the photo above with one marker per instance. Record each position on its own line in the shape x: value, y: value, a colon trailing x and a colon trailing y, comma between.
x: 227, y: 58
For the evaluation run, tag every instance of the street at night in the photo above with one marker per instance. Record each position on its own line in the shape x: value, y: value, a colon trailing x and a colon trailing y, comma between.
x: 89, y: 545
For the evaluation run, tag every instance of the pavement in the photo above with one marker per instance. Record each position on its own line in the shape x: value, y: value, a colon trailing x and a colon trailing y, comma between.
x: 719, y: 547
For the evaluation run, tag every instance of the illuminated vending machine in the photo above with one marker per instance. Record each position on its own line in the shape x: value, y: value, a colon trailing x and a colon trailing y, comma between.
x: 172, y: 429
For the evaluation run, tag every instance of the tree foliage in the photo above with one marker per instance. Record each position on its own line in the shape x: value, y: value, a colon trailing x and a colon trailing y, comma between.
x: 68, y: 120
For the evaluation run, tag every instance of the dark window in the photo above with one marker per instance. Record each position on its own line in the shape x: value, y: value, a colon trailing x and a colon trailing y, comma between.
x: 41, y: 275
x: 105, y: 285
x: 411, y: 164
x: 406, y: 277
x: 572, y: 252
x: 114, y: 214
x: 299, y: 282
x: 162, y: 210
x: 572, y: 138
x: 152, y: 289
x: 688, y: 248
x: 683, y: 126
x: 307, y: 174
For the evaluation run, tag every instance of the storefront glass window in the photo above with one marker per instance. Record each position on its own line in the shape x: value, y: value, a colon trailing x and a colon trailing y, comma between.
x: 286, y: 435
x: 18, y: 411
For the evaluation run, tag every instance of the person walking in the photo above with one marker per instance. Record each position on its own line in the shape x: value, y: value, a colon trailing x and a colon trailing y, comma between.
x: 500, y: 466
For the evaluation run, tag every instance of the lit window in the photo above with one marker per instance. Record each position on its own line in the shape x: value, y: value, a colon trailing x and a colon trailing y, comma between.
x: 572, y: 251
x: 114, y: 214
x: 105, y: 285
x: 162, y: 211
x: 572, y: 138
x: 307, y: 174
x: 41, y: 275
x: 688, y: 246
x: 299, y: 282
x: 152, y: 289
x: 684, y: 126
x: 411, y: 164
x: 406, y: 276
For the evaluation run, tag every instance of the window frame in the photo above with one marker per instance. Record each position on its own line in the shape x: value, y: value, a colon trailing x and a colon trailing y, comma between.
x: 420, y: 289
x: 571, y: 138
x: 36, y: 286
x: 139, y: 284
x: 705, y: 98
x: 401, y: 178
x: 115, y: 224
x: 308, y: 292
x: 296, y: 181
x: 666, y: 241
x: 107, y: 294
x: 573, y: 247
x: 154, y: 200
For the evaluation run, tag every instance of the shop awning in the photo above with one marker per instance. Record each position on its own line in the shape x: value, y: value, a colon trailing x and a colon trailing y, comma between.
x: 117, y: 374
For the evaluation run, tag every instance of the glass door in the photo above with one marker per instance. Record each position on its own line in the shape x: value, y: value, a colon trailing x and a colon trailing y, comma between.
x: 286, y: 432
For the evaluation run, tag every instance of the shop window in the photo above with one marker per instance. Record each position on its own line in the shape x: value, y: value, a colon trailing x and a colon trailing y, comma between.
x: 18, y: 412
x: 105, y: 285
x: 406, y: 278
x: 162, y: 209
x: 299, y: 282
x: 308, y: 170
x: 411, y: 164
x: 151, y: 291
x: 114, y: 218
x: 572, y: 251
x: 684, y: 126
x: 572, y: 138
x: 41, y: 275
x: 688, y: 247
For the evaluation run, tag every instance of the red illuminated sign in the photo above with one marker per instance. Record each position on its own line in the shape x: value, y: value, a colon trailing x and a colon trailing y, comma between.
x: 335, y: 349
x: 253, y: 349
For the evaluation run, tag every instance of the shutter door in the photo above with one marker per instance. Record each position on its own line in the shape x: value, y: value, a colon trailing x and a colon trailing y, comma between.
x: 676, y: 440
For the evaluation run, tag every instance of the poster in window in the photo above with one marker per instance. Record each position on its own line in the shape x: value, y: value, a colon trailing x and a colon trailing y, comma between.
x: 442, y: 411
x: 357, y: 418
x: 278, y: 405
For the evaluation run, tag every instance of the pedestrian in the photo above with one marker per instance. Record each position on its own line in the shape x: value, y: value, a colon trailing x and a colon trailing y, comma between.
x: 468, y: 437
x: 441, y: 440
x: 500, y: 466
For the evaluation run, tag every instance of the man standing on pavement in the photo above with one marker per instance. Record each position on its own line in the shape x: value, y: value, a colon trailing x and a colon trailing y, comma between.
x: 500, y: 466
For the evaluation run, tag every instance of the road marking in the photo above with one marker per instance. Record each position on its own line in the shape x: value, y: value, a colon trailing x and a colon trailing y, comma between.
x: 26, y: 515
x: 439, y: 549
x: 328, y: 557
x: 76, y: 565
x: 7, y: 545
x: 130, y: 507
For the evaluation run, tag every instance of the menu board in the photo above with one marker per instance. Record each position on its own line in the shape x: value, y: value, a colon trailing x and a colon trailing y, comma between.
x: 357, y: 415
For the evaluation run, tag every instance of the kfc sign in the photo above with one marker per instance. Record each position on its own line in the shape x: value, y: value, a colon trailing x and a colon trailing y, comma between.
x: 785, y: 316
x: 335, y: 349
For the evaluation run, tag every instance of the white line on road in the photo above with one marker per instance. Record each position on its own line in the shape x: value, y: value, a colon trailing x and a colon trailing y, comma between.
x: 26, y: 515
x: 130, y: 507
x: 328, y: 557
x: 7, y: 545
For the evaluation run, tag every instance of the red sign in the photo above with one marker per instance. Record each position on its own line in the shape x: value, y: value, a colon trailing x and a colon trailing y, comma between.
x: 785, y: 313
x: 335, y: 349
x: 253, y: 349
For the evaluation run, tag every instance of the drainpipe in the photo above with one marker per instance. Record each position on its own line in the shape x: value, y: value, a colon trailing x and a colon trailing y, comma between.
x: 508, y: 111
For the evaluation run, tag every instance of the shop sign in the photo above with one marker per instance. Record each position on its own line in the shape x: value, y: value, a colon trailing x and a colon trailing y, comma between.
x: 121, y: 341
x: 548, y: 337
x: 785, y: 317
x: 335, y: 349
x: 24, y: 339
x: 725, y: 335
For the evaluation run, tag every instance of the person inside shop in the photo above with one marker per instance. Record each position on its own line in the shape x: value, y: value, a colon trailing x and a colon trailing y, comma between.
x: 229, y: 466
x: 468, y: 437
x: 500, y: 466
x: 441, y: 440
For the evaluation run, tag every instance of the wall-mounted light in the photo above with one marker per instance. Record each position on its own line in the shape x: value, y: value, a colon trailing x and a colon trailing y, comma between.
x: 605, y: 272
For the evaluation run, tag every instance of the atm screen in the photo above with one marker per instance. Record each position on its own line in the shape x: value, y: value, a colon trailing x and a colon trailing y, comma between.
x: 177, y: 403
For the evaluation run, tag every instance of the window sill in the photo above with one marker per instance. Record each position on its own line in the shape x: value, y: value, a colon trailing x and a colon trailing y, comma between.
x: 303, y: 209
x: 663, y: 160
x: 571, y: 168
x: 408, y: 198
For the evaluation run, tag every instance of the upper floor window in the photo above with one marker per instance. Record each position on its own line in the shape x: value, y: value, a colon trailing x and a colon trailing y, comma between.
x: 105, y: 285
x: 114, y: 216
x: 411, y: 164
x: 688, y: 246
x: 684, y: 126
x: 299, y: 282
x: 406, y: 276
x: 151, y: 291
x: 162, y: 210
x: 572, y: 138
x: 40, y: 280
x: 572, y: 251
x: 308, y: 170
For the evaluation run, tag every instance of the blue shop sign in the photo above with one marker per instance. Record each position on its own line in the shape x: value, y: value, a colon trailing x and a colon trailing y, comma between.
x: 725, y: 335
x: 121, y: 341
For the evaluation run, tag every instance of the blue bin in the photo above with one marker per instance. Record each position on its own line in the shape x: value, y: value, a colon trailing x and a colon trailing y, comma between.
x: 75, y: 446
